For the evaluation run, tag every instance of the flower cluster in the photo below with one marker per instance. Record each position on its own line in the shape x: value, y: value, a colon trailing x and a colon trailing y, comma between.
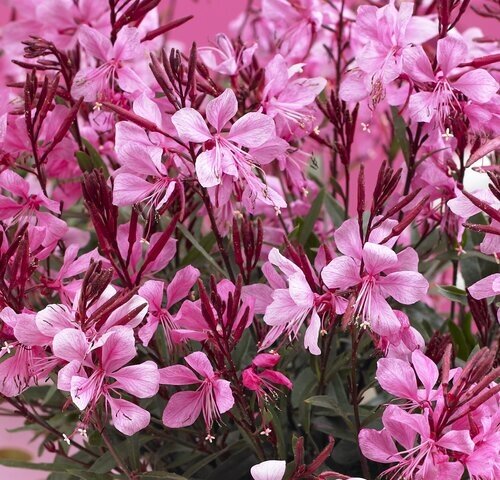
x: 248, y: 257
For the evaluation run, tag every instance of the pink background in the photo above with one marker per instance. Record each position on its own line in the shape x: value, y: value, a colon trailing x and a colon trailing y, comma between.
x: 211, y: 17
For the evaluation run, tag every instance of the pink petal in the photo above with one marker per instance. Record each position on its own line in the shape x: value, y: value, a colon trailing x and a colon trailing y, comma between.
x: 277, y: 378
x: 378, y: 446
x: 152, y: 292
x: 200, y: 363
x: 138, y: 158
x: 252, y: 130
x: 266, y: 360
x: 223, y: 395
x: 458, y: 441
x: 276, y: 76
x: 462, y: 206
x: 128, y: 418
x: 417, y: 65
x: 190, y: 125
x: 283, y: 263
x: 221, y: 109
x: 141, y: 380
x: 478, y: 85
x: 422, y: 106
x: 378, y: 257
x: 165, y: 255
x: 181, y: 284
x: 14, y: 183
x: 83, y: 391
x: 94, y: 42
x: 397, y: 378
x: 118, y: 349
x: 450, y: 52
x: 182, y: 409
x: 27, y: 332
x: 177, y: 375
x: 420, y: 30
x: 64, y: 376
x: 130, y: 189
x: 426, y: 370
x: 396, y: 421
x: 341, y: 272
x: 209, y: 167
x: 269, y: 470
x: 261, y: 295
x: 147, y: 108
x: 70, y: 344
x: 486, y: 287
x: 190, y: 316
x: 54, y: 318
x: 353, y: 88
x: 382, y: 318
x: 147, y: 331
x: 122, y: 314
x: 283, y: 302
x: 405, y: 287
x: 407, y: 260
x: 347, y: 239
x: 128, y: 44
x: 312, y: 334
x: 300, y: 291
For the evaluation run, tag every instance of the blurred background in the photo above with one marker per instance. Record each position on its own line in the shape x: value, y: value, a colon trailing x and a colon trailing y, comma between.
x: 210, y: 17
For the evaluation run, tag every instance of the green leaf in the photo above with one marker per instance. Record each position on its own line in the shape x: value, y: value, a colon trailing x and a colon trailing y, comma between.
x: 91, y: 159
x: 210, y: 458
x: 44, y: 467
x: 93, y: 476
x: 459, y: 340
x: 15, y: 454
x: 453, y: 293
x: 161, y: 476
x: 333, y: 208
x: 400, y: 133
x: 236, y: 467
x: 328, y: 403
x: 200, y: 248
x: 307, y: 226
x: 207, y: 242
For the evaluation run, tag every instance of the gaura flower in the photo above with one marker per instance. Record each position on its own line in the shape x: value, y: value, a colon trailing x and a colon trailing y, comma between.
x: 212, y: 398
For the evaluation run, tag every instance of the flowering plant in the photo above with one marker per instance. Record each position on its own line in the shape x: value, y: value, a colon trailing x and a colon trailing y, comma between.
x: 271, y: 257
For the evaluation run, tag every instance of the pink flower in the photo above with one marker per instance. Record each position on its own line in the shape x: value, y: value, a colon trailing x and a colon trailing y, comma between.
x: 223, y: 155
x: 398, y: 377
x: 404, y: 342
x: 94, y: 82
x: 64, y: 18
x: 376, y: 272
x: 176, y: 290
x: 143, y: 177
x: 212, y: 397
x: 269, y: 470
x: 140, y: 249
x: 487, y: 287
x: 190, y: 323
x: 73, y: 265
x: 380, y: 38
x: 296, y: 297
x: 26, y: 363
x: 262, y: 379
x: 441, y: 430
x: 291, y: 101
x: 442, y: 100
x: 223, y: 58
x: 141, y: 381
x: 45, y: 229
x: 464, y: 208
x: 74, y: 332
